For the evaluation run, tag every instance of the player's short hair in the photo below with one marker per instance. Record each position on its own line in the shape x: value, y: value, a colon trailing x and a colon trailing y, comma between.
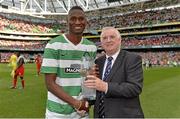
x: 75, y: 8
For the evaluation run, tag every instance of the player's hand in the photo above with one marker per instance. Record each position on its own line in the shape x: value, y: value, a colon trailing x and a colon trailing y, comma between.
x: 84, y: 106
x: 82, y: 113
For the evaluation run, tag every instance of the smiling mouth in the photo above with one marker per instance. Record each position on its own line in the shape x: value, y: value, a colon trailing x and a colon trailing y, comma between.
x: 78, y: 27
x: 110, y: 45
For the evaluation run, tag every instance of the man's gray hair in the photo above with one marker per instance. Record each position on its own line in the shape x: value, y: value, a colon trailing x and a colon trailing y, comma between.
x: 112, y: 28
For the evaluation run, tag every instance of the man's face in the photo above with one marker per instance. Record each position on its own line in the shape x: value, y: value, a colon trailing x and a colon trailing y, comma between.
x: 110, y: 41
x: 76, y: 21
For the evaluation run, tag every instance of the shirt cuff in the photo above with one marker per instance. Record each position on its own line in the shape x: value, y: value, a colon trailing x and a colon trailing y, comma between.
x: 106, y: 88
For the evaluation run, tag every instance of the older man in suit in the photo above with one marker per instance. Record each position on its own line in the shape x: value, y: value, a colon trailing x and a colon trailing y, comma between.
x: 120, y: 82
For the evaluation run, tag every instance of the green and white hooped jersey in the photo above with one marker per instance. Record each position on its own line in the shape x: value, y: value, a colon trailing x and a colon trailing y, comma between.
x: 63, y: 58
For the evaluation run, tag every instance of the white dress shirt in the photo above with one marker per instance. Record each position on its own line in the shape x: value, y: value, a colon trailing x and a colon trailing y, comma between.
x: 105, y: 64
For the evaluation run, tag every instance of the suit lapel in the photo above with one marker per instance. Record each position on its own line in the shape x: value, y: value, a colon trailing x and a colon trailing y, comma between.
x: 116, y: 64
x: 101, y: 62
x: 101, y: 66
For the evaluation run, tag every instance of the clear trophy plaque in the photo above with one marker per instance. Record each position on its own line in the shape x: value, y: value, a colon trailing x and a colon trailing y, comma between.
x: 86, y: 64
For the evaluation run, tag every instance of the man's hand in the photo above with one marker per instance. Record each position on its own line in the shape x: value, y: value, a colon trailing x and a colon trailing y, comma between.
x: 95, y: 83
x: 94, y: 71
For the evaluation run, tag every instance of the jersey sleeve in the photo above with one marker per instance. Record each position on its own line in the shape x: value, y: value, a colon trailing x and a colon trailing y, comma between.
x: 50, y: 60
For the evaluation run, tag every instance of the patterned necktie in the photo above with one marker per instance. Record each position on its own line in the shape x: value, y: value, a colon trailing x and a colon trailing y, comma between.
x: 101, y: 111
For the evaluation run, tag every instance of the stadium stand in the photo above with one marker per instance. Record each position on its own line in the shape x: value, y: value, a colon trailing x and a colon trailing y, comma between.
x: 152, y: 32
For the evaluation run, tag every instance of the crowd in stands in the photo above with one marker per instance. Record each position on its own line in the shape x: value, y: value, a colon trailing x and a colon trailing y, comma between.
x: 16, y: 25
x: 151, y: 41
x: 127, y: 42
x: 163, y: 58
x: 135, y: 18
x: 22, y: 45
x: 171, y: 58
x: 148, y: 41
x: 99, y: 20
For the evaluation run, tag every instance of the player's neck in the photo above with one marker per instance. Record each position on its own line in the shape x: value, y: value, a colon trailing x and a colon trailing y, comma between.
x: 75, y: 39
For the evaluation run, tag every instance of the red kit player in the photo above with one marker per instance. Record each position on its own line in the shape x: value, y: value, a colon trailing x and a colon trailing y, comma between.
x: 38, y: 61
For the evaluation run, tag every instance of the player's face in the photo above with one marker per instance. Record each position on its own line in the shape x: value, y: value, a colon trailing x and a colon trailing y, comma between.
x: 77, y: 22
x: 110, y: 41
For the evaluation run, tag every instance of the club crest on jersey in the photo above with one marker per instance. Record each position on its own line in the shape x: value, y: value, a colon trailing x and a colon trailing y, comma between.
x: 74, y: 68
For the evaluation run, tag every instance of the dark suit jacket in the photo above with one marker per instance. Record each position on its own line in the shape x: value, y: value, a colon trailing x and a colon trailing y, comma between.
x: 125, y: 83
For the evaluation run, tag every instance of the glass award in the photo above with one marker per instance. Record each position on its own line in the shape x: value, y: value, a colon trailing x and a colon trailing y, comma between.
x: 86, y: 64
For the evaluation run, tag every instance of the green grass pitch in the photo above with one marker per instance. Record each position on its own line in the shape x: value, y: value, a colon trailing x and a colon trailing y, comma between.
x: 160, y: 97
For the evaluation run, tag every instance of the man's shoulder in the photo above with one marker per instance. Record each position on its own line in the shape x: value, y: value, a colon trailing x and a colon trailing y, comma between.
x: 101, y: 58
x: 59, y: 38
x: 130, y: 54
x: 87, y: 42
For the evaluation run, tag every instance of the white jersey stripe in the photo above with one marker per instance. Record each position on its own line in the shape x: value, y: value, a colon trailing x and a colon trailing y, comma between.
x: 50, y: 62
x: 63, y: 63
x: 53, y: 98
x: 52, y: 115
x: 68, y: 81
x: 65, y: 46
